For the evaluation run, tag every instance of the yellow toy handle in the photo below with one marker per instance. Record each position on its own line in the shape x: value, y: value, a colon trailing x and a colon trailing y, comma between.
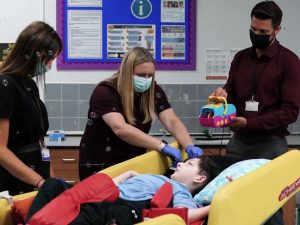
x: 218, y: 99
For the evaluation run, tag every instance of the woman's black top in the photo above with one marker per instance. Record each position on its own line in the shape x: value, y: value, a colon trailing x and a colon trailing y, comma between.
x: 27, y: 114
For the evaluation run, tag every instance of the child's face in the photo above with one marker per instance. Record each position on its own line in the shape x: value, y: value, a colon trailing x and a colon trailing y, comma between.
x: 186, y: 172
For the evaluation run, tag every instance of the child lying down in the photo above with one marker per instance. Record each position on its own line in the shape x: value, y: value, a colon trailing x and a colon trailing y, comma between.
x: 135, y: 192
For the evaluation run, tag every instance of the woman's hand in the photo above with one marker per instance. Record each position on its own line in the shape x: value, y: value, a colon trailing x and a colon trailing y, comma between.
x: 40, y: 183
x: 173, y: 153
x: 193, y: 151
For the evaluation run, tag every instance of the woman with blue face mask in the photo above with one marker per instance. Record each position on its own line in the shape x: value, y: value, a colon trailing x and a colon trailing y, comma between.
x: 24, y: 160
x: 122, y: 110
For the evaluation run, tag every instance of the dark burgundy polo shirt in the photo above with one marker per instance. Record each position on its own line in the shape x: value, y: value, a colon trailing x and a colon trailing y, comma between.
x: 99, y: 144
x: 274, y: 81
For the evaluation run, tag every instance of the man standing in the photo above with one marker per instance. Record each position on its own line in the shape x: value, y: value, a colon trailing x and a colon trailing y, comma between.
x: 263, y: 84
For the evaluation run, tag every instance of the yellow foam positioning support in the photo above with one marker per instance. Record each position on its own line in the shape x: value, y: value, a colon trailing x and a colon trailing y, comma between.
x: 152, y: 162
x: 168, y: 219
x: 253, y: 198
x: 5, y: 209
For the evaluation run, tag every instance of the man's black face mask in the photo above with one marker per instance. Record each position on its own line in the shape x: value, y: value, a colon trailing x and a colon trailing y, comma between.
x: 260, y: 41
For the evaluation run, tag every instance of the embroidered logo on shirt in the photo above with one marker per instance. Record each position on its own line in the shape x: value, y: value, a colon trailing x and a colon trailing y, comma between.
x: 89, y: 122
x: 94, y: 115
x: 4, y: 83
x: 158, y: 95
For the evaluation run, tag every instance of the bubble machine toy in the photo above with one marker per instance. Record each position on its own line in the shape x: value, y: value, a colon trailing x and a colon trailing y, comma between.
x: 217, y: 113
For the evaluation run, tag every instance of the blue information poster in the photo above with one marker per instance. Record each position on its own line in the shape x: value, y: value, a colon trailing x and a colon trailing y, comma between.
x: 98, y: 33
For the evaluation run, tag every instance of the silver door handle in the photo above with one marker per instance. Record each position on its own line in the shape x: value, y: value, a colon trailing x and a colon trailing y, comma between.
x: 68, y: 160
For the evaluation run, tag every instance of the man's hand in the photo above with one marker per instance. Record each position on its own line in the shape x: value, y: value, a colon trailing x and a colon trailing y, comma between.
x: 238, y: 122
x: 220, y: 92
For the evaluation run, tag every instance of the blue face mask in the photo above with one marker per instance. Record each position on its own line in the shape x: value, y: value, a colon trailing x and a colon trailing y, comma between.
x: 141, y: 84
x: 41, y: 68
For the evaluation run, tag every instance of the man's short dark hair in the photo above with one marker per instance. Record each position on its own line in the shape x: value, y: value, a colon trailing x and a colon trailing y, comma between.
x: 268, y: 10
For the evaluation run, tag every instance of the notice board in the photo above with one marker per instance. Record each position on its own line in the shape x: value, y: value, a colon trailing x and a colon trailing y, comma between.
x: 97, y: 33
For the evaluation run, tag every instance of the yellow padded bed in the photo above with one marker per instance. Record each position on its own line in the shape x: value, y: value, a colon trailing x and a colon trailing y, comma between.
x: 250, y: 200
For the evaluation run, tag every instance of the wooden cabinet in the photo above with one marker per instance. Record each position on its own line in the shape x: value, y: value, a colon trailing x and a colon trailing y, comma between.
x: 64, y: 163
x: 214, y: 151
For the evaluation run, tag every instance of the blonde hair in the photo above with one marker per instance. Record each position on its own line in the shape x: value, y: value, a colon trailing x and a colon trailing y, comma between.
x: 124, y: 82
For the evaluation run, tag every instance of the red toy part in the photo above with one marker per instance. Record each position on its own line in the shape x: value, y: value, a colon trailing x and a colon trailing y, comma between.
x: 65, y: 207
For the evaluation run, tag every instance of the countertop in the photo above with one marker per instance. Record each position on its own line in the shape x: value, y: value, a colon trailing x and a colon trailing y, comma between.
x: 73, y: 141
x: 293, y: 141
x: 69, y: 142
x: 217, y: 140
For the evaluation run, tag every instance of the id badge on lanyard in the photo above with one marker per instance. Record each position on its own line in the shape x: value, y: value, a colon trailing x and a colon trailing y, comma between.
x: 252, y: 105
x: 44, y: 151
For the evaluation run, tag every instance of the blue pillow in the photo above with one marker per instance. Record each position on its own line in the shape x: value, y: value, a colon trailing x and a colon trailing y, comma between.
x: 235, y: 171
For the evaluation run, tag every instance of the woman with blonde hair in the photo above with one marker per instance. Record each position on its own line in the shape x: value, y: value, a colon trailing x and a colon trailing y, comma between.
x: 122, y: 109
x: 24, y: 160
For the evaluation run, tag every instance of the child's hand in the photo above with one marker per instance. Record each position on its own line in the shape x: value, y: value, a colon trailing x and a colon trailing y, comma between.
x: 133, y: 173
x: 124, y: 176
x: 230, y: 178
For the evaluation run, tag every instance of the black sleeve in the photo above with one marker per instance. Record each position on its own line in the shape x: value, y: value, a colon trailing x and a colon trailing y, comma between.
x: 7, y: 96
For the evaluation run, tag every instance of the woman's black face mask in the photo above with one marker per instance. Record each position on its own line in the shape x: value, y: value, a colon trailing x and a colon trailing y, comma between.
x: 260, y: 41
